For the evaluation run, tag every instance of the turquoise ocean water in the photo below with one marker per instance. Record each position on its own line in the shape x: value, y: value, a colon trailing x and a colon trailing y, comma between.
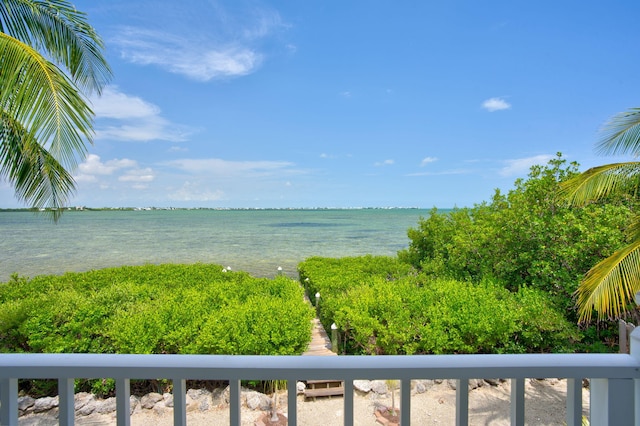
x: 256, y: 241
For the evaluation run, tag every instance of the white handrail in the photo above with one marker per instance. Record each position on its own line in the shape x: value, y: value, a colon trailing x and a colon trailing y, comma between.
x: 615, y: 378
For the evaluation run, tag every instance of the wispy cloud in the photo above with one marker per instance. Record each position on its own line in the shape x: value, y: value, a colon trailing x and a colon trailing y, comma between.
x: 384, y: 163
x: 496, y: 104
x: 124, y: 117
x: 427, y: 160
x: 521, y: 166
x: 228, y: 46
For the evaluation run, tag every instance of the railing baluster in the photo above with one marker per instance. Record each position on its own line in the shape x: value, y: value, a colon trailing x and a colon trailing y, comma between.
x: 234, y: 402
x: 612, y: 402
x: 179, y: 402
x: 405, y: 402
x: 462, y: 402
x: 348, y: 403
x: 574, y: 402
x: 123, y: 402
x: 66, y: 403
x: 517, y: 402
x: 9, y: 401
x: 292, y: 402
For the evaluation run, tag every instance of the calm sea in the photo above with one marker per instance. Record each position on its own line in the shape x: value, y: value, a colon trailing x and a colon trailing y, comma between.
x: 256, y: 241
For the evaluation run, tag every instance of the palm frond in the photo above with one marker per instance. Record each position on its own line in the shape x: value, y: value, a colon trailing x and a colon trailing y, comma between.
x: 44, y: 101
x: 39, y: 179
x: 610, y: 285
x: 602, y: 181
x: 621, y: 134
x: 56, y: 27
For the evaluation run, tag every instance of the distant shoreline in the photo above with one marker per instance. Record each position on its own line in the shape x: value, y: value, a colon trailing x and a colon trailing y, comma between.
x: 84, y: 208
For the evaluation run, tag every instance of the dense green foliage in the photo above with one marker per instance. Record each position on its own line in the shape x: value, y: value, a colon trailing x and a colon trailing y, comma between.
x: 381, y: 306
x: 528, y: 237
x: 155, y: 309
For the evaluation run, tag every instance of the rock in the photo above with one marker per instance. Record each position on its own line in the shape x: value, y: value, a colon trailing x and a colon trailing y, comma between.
x: 493, y: 382
x: 201, y: 398
x: 45, y: 404
x: 85, y: 403
x: 380, y: 387
x: 475, y: 383
x: 362, y: 385
x: 134, y: 401
x: 217, y: 396
x: 300, y: 387
x: 25, y: 402
x: 453, y: 384
x: 82, y: 398
x: 438, y: 381
x: 421, y: 386
x: 258, y: 401
x: 107, y: 406
x: 149, y: 400
x: 160, y: 408
x: 168, y: 399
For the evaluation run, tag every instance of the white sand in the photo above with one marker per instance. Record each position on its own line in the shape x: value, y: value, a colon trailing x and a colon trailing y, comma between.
x: 488, y: 405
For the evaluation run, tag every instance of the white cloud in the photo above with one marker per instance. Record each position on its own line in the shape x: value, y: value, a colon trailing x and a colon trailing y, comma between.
x: 124, y: 117
x: 427, y: 160
x: 521, y: 166
x: 138, y: 175
x: 92, y: 165
x: 201, y: 61
x: 384, y: 163
x: 225, y: 44
x: 105, y: 173
x: 496, y: 104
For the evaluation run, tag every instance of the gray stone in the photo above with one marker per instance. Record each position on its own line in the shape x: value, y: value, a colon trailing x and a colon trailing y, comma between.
x: 45, y: 404
x: 380, y: 387
x: 300, y: 387
x: 493, y: 382
x: 134, y: 401
x: 25, y: 402
x: 168, y: 399
x: 107, y: 406
x: 421, y: 386
x: 258, y: 401
x: 81, y: 399
x: 149, y: 400
x: 362, y: 385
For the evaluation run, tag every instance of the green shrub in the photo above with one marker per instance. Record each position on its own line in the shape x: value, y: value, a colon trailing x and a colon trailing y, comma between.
x: 396, y: 311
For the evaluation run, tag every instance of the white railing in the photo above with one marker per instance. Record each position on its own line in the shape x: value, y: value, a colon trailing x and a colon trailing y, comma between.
x: 615, y: 379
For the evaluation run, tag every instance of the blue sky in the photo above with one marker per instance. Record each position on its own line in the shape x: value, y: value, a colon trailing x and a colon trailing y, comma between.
x: 347, y: 104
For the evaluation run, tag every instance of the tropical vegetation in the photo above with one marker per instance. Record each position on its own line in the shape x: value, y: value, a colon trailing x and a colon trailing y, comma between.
x: 529, y: 237
x: 382, y: 306
x: 610, y: 286
x: 50, y: 60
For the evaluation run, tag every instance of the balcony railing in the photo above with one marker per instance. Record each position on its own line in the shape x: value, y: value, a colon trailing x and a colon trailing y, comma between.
x: 615, y: 379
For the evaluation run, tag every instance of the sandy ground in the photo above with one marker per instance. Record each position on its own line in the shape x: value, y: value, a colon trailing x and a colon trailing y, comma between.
x: 488, y: 405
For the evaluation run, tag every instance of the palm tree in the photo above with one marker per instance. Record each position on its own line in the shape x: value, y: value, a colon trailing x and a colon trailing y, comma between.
x: 609, y: 287
x: 50, y: 59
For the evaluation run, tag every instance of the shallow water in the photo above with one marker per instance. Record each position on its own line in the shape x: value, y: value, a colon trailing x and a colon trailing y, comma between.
x: 256, y: 241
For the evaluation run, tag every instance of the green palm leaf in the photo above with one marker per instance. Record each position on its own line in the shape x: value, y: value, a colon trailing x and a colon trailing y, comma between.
x: 56, y: 27
x: 45, y: 122
x: 36, y: 174
x: 602, y: 181
x: 621, y: 134
x: 610, y: 286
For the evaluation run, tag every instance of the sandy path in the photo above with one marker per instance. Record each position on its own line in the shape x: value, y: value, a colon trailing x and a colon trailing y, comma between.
x: 488, y: 405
